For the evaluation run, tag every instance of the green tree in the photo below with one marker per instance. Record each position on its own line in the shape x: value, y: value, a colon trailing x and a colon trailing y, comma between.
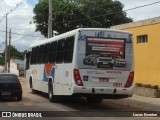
x: 41, y: 17
x: 64, y: 13
x: 72, y: 14
x: 106, y: 12
x: 1, y: 60
x: 14, y: 53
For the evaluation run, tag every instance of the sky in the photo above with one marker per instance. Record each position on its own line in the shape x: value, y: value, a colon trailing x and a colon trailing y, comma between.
x: 20, y: 18
x: 141, y: 13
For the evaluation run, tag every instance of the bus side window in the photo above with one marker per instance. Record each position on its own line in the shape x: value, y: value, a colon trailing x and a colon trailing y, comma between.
x: 36, y: 55
x: 53, y: 51
x: 32, y: 56
x: 41, y: 54
x: 69, y: 45
x: 47, y: 53
x: 60, y: 51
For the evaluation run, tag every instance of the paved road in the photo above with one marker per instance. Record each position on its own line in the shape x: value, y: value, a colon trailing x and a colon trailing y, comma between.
x: 67, y: 107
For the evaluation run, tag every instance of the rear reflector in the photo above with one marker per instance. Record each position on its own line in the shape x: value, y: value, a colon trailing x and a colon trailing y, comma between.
x: 77, y: 77
x: 129, y: 80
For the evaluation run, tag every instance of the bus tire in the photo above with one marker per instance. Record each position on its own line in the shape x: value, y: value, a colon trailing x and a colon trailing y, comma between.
x: 94, y: 100
x: 51, y: 96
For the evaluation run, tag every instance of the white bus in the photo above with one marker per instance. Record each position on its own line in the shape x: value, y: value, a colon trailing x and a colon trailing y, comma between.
x: 95, y: 63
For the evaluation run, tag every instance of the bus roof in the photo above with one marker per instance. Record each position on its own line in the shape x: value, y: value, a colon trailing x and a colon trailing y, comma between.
x: 73, y: 32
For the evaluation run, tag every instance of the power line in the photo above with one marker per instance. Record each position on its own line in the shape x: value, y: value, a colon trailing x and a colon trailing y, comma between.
x: 113, y: 12
x: 19, y: 4
x: 24, y: 37
x: 21, y: 34
x: 18, y: 27
x: 142, y: 6
x: 29, y: 35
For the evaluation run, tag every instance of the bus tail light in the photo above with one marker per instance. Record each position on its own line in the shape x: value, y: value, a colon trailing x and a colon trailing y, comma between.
x: 77, y: 77
x: 129, y: 80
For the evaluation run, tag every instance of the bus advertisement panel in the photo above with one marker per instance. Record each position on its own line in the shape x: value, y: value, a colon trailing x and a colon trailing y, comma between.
x: 102, y: 45
x: 104, y: 52
x: 113, y: 52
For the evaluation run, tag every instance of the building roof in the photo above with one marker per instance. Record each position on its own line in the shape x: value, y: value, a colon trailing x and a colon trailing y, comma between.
x: 150, y: 21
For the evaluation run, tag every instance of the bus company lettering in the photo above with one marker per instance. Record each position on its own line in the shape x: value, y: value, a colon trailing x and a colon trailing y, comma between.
x: 95, y: 72
x: 34, y: 72
x: 117, y: 72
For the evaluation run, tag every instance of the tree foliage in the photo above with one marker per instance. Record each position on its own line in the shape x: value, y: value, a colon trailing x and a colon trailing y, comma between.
x: 1, y: 60
x: 64, y: 17
x: 14, y: 53
x: 106, y: 12
x: 72, y: 14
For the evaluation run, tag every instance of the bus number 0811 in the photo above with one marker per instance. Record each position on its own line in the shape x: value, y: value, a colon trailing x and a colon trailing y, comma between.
x: 116, y: 84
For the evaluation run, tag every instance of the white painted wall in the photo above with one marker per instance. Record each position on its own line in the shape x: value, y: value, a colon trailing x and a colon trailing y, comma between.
x: 1, y: 69
x: 16, y: 65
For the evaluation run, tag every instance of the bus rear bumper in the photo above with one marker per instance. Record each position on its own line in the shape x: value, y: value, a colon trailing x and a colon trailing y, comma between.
x: 103, y: 92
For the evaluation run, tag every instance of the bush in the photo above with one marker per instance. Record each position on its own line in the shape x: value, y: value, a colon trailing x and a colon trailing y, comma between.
x: 155, y: 87
x: 139, y: 84
x: 147, y: 86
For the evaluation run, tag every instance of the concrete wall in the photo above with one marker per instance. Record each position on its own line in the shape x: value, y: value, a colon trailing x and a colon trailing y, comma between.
x: 17, y: 66
x: 13, y: 68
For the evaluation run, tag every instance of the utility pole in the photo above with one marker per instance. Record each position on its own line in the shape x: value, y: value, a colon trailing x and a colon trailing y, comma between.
x: 5, y: 66
x: 9, y: 51
x: 50, y: 20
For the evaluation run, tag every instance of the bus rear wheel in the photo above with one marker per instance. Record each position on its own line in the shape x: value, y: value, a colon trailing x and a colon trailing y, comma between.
x: 51, y: 96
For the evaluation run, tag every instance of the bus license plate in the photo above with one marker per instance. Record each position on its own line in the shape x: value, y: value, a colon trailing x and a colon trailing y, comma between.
x: 6, y: 93
x: 103, y: 79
